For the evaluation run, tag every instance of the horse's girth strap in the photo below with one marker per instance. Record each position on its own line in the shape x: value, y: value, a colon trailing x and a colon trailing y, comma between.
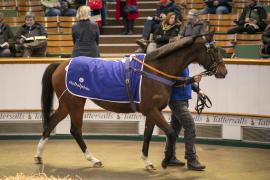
x: 129, y: 90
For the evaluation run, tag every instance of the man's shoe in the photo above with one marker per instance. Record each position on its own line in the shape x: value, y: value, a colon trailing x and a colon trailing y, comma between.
x: 175, y: 162
x: 142, y: 43
x: 194, y: 164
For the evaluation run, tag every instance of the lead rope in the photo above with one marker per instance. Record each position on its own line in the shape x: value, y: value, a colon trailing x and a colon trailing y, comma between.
x: 202, y: 102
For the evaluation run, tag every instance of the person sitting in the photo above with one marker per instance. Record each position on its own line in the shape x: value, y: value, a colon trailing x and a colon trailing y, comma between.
x: 194, y: 26
x: 168, y: 29
x: 217, y: 7
x: 58, y: 8
x: 6, y: 38
x: 152, y: 23
x: 85, y: 34
x: 252, y: 20
x: 266, y: 41
x: 31, y: 38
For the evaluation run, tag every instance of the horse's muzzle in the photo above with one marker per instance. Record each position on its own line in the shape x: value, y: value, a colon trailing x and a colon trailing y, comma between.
x: 221, y: 71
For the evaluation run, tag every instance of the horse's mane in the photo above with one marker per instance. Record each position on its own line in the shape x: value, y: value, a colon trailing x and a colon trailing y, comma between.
x: 169, y: 48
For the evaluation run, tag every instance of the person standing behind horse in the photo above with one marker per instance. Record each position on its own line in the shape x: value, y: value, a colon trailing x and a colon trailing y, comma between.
x: 128, y: 10
x: 181, y: 116
x: 85, y: 35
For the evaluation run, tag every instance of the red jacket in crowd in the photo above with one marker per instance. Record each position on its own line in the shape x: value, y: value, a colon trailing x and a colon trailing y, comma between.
x: 131, y: 16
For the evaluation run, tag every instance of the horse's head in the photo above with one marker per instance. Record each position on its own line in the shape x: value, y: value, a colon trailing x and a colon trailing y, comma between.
x: 209, y: 56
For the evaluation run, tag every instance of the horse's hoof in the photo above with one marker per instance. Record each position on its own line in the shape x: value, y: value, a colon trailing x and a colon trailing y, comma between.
x: 164, y: 164
x: 98, y: 164
x: 38, y: 160
x: 150, y: 167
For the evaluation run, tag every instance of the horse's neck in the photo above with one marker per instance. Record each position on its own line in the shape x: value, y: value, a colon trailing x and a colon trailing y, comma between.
x: 176, y: 62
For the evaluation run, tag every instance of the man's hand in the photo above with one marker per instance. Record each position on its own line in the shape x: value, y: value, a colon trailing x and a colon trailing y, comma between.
x: 201, y: 93
x: 163, y: 16
x: 21, y: 41
x: 197, y: 78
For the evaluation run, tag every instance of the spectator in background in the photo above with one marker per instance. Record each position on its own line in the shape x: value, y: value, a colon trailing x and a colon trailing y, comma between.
x: 6, y: 38
x: 194, y: 26
x: 167, y: 30
x: 266, y: 41
x: 217, y: 7
x: 96, y: 10
x: 252, y: 20
x: 31, y: 29
x: 152, y: 23
x: 128, y: 10
x: 104, y: 12
x: 85, y: 34
x: 58, y: 8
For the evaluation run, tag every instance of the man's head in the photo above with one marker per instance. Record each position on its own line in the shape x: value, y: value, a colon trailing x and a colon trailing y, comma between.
x: 163, y: 2
x: 251, y: 2
x: 193, y: 15
x: 29, y: 19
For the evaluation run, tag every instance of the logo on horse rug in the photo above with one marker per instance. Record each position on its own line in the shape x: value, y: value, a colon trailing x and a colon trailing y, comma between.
x: 104, y: 79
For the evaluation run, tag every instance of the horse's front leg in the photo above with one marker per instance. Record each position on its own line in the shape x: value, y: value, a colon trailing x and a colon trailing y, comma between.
x: 148, y: 131
x: 156, y: 117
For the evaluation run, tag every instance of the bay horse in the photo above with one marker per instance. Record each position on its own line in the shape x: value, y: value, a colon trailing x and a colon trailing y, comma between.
x: 171, y: 59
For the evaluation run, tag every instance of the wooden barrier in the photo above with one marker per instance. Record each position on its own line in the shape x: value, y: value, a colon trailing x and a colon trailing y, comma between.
x: 48, y: 60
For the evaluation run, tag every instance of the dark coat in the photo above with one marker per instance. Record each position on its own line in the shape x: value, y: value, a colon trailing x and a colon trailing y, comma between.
x: 171, y: 7
x: 227, y: 3
x: 266, y: 40
x: 162, y: 37
x: 27, y: 31
x: 200, y: 27
x: 85, y: 34
x: 6, y: 35
x: 259, y: 11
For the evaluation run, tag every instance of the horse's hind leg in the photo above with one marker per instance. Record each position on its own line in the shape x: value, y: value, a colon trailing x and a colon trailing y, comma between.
x: 76, y: 115
x: 148, y: 131
x: 55, y: 118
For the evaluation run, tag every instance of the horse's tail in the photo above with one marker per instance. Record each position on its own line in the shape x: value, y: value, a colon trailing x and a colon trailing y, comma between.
x: 47, y: 94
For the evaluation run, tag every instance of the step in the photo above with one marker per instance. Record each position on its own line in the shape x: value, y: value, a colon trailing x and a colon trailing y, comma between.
x: 118, y: 48
x: 118, y: 39
x: 113, y: 22
x: 113, y: 55
x: 143, y: 12
x: 107, y: 30
x: 138, y: 1
x: 141, y: 5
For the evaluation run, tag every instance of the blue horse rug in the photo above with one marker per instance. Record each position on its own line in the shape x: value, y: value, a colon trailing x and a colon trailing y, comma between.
x: 104, y: 79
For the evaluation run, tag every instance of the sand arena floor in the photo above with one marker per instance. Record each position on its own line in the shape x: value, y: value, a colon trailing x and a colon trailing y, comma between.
x: 121, y: 160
